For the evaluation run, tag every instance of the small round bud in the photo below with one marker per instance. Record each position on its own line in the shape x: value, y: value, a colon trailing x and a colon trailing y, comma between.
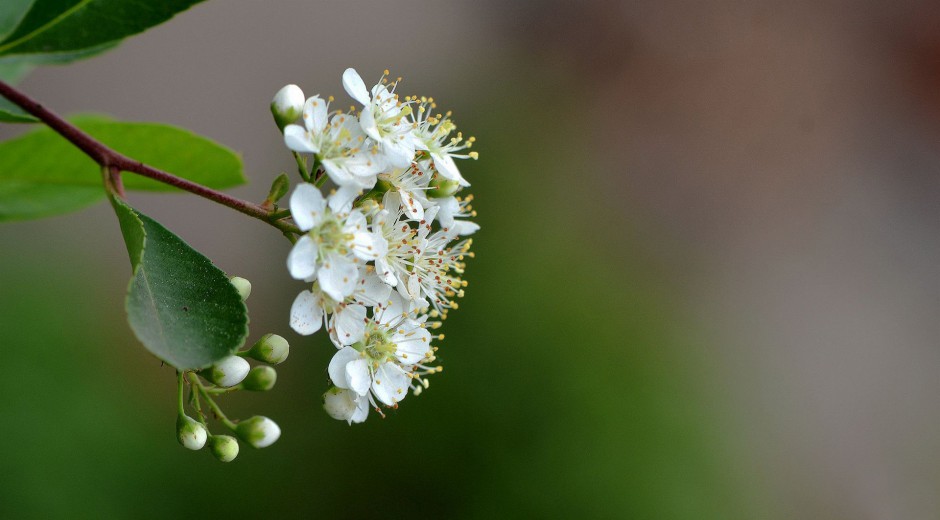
x: 287, y: 105
x: 228, y: 372
x: 259, y: 431
x: 224, y: 447
x: 441, y: 188
x: 260, y: 379
x: 190, y: 432
x: 242, y: 285
x: 271, y: 348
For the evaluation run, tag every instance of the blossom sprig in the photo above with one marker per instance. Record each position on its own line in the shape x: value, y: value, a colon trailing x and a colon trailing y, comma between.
x: 384, y: 251
x: 229, y: 375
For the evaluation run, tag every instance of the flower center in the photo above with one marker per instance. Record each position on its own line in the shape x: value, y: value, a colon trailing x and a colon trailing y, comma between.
x: 376, y: 345
x: 330, y: 236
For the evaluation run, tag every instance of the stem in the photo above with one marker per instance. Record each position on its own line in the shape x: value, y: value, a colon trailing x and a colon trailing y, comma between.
x: 116, y: 162
x: 179, y: 393
x: 194, y: 379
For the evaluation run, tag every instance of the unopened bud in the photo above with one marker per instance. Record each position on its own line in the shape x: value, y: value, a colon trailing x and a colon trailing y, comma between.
x: 242, y: 285
x: 224, y: 447
x: 343, y: 405
x: 259, y: 431
x: 228, y: 372
x: 260, y: 379
x: 287, y: 105
x: 441, y: 188
x: 191, y: 433
x: 271, y: 348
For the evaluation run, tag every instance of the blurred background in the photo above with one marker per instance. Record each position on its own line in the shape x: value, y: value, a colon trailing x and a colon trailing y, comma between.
x: 707, y: 283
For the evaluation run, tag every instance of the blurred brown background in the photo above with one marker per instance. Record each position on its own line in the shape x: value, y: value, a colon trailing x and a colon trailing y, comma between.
x: 708, y: 279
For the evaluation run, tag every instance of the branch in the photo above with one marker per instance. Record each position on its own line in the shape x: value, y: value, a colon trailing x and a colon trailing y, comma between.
x: 114, y: 160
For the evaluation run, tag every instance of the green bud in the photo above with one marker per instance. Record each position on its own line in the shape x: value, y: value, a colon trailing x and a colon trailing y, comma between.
x: 260, y: 379
x: 271, y: 348
x: 224, y: 447
x: 279, y: 188
x: 259, y: 431
x: 190, y: 432
x: 441, y: 188
x: 242, y: 285
x: 287, y: 105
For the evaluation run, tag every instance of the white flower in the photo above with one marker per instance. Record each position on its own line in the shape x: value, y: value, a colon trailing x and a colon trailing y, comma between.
x: 432, y: 134
x: 437, y: 269
x: 393, y: 222
x: 383, y: 118
x: 334, y: 242
x: 410, y: 183
x: 338, y: 142
x: 345, y: 320
x: 390, y: 356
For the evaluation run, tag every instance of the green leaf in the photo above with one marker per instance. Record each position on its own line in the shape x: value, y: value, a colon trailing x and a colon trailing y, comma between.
x: 179, y: 305
x: 55, y: 26
x: 11, y: 13
x: 10, y: 113
x: 42, y: 174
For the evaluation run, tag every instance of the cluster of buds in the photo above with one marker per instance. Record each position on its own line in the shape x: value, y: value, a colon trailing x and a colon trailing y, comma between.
x: 383, y: 251
x: 231, y: 374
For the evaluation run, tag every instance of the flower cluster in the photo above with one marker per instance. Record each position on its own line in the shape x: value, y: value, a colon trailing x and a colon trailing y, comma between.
x: 383, y: 253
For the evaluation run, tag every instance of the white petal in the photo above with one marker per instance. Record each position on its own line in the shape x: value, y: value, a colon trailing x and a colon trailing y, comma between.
x: 297, y: 139
x: 390, y: 383
x: 302, y: 259
x: 338, y: 276
x: 306, y: 206
x: 371, y: 290
x: 369, y: 246
x: 399, y: 152
x: 465, y: 227
x: 362, y: 410
x: 355, y: 87
x: 358, y: 376
x: 315, y: 115
x: 306, y: 314
x: 413, y: 345
x: 385, y: 272
x: 393, y: 309
x: 368, y: 124
x: 342, y: 199
x: 413, y: 208
x: 447, y: 168
x: 337, y: 368
x: 349, y: 324
x: 448, y: 208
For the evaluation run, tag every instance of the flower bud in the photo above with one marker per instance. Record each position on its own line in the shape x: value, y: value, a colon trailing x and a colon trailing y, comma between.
x: 441, y: 188
x: 260, y: 379
x: 242, y: 285
x: 287, y: 105
x: 271, y: 348
x: 259, y: 431
x: 228, y: 372
x: 190, y: 432
x: 339, y: 403
x: 224, y: 447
